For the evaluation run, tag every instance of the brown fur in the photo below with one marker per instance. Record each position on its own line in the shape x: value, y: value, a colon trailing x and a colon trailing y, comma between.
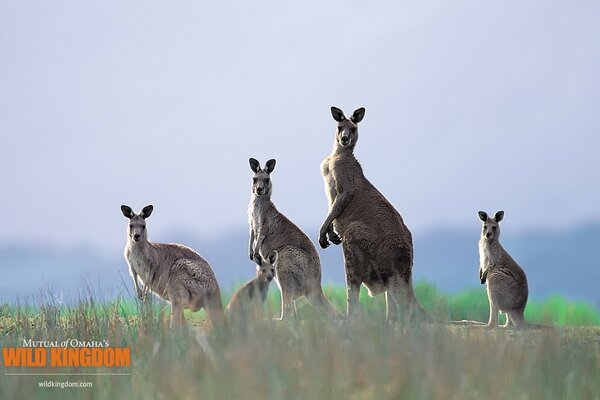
x: 173, y: 272
x: 247, y: 302
x: 377, y: 245
x: 299, y: 266
x: 505, y: 280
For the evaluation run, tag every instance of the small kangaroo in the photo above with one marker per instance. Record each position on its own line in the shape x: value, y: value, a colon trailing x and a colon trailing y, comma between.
x: 377, y: 245
x: 173, y: 272
x: 505, y: 279
x: 298, y: 268
x: 250, y: 298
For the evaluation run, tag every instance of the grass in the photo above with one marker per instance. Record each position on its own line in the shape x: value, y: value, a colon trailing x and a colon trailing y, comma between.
x: 313, y: 358
x: 470, y: 304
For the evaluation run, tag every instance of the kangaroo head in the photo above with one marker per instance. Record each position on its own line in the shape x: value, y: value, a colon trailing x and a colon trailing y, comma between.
x: 490, y: 229
x: 137, y: 222
x: 266, y: 272
x: 347, y: 129
x: 261, y: 181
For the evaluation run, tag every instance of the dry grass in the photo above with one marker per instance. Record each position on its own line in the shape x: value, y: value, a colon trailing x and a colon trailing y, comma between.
x: 308, y: 359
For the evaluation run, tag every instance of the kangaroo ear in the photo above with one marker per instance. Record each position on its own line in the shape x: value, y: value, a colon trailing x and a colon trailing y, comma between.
x: 270, y: 166
x: 254, y: 164
x: 127, y: 211
x: 147, y: 211
x: 273, y: 257
x: 338, y: 114
x: 483, y: 216
x: 499, y: 216
x: 358, y: 115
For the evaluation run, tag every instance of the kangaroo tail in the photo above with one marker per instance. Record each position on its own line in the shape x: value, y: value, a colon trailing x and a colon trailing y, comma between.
x: 416, y: 309
x: 318, y: 299
x: 214, y: 309
x: 421, y: 314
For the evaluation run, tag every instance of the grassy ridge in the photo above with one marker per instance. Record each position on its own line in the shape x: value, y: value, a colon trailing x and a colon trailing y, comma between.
x: 317, y: 359
x: 310, y: 359
x: 470, y: 304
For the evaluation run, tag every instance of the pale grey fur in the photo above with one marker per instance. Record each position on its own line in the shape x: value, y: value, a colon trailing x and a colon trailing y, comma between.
x: 173, y: 272
x: 377, y: 245
x: 247, y: 301
x: 505, y: 280
x: 299, y: 267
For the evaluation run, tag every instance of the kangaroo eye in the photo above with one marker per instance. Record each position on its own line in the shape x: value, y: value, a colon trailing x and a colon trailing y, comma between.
x: 130, y: 226
x: 267, y: 180
x: 494, y: 228
x: 254, y: 180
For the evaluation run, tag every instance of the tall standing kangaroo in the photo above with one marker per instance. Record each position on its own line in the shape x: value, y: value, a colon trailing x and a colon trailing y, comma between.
x: 298, y: 267
x: 505, y: 280
x: 377, y: 245
x: 174, y: 272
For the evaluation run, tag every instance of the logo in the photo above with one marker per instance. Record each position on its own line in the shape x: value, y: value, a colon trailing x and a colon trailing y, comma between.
x: 66, y: 353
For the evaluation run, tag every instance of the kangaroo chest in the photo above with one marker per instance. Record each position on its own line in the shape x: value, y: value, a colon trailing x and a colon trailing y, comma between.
x: 483, y: 258
x: 259, y: 214
x: 140, y: 264
x: 330, y: 186
x: 255, y: 213
x: 264, y: 222
x: 142, y: 269
x: 488, y: 255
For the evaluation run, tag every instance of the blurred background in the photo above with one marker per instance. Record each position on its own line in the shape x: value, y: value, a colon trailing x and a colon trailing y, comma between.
x: 469, y: 107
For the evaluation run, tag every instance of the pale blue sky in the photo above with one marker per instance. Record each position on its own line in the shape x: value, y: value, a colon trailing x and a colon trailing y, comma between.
x: 470, y: 106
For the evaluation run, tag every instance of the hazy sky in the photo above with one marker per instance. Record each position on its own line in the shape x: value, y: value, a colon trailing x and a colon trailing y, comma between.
x: 470, y: 105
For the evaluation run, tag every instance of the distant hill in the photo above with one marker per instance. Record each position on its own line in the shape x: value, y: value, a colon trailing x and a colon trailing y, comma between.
x: 28, y: 272
x: 567, y: 263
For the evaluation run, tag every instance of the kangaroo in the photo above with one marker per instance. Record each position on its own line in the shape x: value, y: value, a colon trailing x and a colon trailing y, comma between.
x: 505, y: 280
x: 173, y: 272
x: 377, y: 245
x: 250, y: 298
x: 298, y: 268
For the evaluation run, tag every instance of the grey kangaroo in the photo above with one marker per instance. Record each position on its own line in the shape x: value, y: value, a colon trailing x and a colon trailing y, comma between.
x: 248, y: 300
x: 173, y: 272
x: 505, y: 279
x: 298, y: 268
x: 377, y: 245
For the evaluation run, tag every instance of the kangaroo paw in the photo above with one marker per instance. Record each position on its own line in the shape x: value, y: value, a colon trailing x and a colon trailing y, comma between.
x: 334, y: 238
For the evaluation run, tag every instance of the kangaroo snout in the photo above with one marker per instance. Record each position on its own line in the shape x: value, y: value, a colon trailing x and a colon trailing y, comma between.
x: 136, y: 237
